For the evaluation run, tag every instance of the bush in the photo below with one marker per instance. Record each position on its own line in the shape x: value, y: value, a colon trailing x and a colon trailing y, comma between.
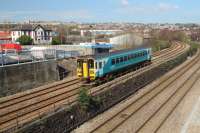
x: 25, y: 40
x: 55, y: 41
x: 88, y: 102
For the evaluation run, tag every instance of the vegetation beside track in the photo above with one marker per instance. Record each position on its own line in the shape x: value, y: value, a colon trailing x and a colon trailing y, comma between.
x: 71, y: 117
x: 159, y: 45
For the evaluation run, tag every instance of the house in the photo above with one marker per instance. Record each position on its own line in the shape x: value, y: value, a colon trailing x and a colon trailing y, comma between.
x: 5, y: 37
x: 40, y: 34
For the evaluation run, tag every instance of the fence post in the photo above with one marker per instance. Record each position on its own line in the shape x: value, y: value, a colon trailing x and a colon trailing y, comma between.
x: 2, y: 60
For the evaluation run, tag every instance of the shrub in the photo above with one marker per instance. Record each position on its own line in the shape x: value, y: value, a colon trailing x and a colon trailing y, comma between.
x: 86, y: 101
x: 25, y: 40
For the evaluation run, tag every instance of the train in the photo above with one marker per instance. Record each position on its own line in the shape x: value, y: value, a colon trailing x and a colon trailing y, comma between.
x: 95, y: 67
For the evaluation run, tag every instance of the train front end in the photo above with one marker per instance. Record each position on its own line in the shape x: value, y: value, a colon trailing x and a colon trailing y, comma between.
x: 86, y: 69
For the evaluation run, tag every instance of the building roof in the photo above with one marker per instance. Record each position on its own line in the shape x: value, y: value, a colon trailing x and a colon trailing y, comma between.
x: 29, y: 27
x: 5, y: 35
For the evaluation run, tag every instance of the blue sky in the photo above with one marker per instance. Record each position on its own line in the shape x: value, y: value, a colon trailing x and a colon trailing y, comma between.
x: 144, y: 11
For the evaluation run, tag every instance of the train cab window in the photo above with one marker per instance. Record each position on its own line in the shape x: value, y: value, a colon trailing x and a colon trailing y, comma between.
x: 125, y: 58
x: 121, y: 59
x: 117, y: 60
x: 91, y: 63
x: 100, y: 65
x: 113, y: 62
x: 79, y: 63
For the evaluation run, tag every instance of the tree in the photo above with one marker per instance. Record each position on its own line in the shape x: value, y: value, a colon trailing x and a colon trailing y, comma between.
x: 25, y: 40
x: 56, y: 41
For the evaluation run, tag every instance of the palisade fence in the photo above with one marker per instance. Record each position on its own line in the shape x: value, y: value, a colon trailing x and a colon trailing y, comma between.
x: 38, y: 53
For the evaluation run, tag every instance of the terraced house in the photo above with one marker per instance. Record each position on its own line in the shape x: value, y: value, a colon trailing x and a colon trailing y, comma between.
x: 40, y: 34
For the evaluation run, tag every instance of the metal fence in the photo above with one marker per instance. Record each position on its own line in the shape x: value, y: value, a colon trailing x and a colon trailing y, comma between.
x: 11, y: 56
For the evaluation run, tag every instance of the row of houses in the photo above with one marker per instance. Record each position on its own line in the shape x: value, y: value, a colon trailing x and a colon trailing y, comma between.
x: 40, y: 34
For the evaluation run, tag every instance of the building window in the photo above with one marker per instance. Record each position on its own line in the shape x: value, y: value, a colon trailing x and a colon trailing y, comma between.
x: 18, y: 33
x: 13, y: 33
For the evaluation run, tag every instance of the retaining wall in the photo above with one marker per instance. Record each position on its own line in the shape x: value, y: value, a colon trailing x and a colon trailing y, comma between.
x: 18, y: 78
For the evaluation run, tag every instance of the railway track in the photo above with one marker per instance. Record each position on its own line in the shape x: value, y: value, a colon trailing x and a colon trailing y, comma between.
x: 19, y: 109
x: 148, y: 112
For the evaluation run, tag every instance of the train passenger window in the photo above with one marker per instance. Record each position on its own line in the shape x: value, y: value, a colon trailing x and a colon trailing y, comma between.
x: 96, y: 65
x: 121, y: 59
x: 91, y: 64
x: 125, y: 58
x: 117, y: 61
x: 129, y: 57
x: 132, y: 56
x: 113, y: 61
x: 100, y: 65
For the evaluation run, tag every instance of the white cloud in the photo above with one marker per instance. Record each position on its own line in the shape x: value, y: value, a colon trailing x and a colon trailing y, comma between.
x: 147, y: 9
x: 125, y: 2
x: 167, y: 7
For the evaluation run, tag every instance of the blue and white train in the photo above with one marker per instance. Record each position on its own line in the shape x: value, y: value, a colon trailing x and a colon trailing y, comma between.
x: 95, y: 67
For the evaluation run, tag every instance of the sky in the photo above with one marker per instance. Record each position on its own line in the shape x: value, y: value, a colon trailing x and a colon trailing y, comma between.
x: 141, y: 11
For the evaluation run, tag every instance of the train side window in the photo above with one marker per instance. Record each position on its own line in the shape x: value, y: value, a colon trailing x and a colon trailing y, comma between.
x: 113, y: 61
x: 96, y: 65
x: 125, y: 58
x: 91, y: 64
x: 100, y: 65
x: 121, y: 59
x: 129, y: 57
x: 117, y: 61
x: 132, y: 56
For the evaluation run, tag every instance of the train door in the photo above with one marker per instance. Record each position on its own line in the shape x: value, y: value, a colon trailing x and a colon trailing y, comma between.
x: 80, y: 68
x: 91, y: 69
x: 85, y: 69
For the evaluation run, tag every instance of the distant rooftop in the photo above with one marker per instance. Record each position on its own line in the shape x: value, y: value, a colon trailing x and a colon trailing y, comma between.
x: 30, y: 27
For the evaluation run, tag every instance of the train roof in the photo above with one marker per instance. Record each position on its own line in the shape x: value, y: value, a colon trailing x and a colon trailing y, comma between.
x: 98, y: 56
x: 97, y: 45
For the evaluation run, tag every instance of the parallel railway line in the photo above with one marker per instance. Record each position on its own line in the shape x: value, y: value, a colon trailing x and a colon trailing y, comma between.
x: 13, y: 111
x: 153, y: 121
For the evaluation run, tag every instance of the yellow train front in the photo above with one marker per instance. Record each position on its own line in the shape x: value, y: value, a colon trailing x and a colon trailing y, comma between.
x: 86, y: 68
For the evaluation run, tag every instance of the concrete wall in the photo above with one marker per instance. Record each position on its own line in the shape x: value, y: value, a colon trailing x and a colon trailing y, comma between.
x: 17, y: 78
x: 126, y: 41
x: 82, y: 50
